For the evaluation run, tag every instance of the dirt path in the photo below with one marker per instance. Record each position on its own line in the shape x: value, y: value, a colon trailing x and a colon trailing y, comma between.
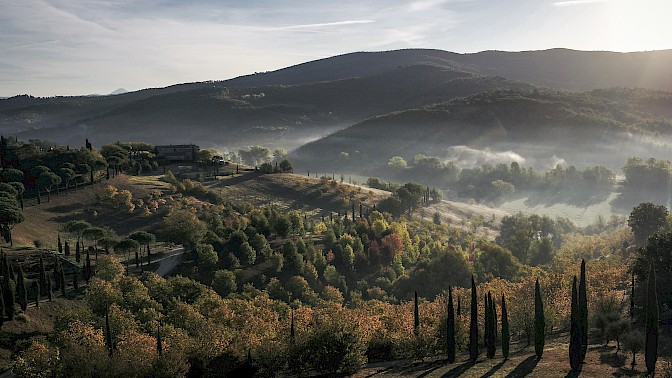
x: 169, y: 262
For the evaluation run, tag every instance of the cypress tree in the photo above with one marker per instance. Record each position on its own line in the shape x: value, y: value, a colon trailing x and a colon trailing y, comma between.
x: 67, y: 248
x: 22, y: 289
x: 159, y: 343
x: 506, y: 337
x: 486, y: 320
x: 492, y: 349
x: 87, y: 268
x: 473, y: 326
x: 78, y: 254
x: 416, y: 316
x: 56, y: 280
x: 459, y: 306
x: 494, y: 321
x: 539, y: 322
x: 632, y: 297
x: 583, y: 311
x: 50, y: 294
x: 8, y: 291
x: 36, y: 293
x: 42, y: 278
x: 61, y: 274
x: 108, y: 333
x: 2, y: 307
x: 651, y: 323
x: 60, y: 245
x: 292, y: 332
x: 574, y: 335
x: 450, y: 328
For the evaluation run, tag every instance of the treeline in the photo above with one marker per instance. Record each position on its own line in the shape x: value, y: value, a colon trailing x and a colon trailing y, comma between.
x: 495, y: 181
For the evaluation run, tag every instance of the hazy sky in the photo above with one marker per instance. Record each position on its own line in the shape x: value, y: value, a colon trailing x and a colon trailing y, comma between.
x: 70, y: 47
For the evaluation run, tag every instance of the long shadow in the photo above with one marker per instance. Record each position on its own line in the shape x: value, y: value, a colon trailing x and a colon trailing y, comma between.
x: 439, y: 364
x: 524, y: 368
x: 458, y: 370
x: 493, y: 370
x: 574, y: 373
x: 238, y: 179
x: 612, y: 359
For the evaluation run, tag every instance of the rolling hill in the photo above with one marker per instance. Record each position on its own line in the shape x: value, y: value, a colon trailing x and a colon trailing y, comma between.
x: 294, y: 105
x: 539, y: 128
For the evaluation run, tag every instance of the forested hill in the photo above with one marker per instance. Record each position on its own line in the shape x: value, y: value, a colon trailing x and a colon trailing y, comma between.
x: 597, y: 127
x: 300, y: 103
x: 555, y: 68
x: 218, y: 115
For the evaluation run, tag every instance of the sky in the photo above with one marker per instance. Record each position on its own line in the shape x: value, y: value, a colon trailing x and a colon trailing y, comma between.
x: 78, y: 47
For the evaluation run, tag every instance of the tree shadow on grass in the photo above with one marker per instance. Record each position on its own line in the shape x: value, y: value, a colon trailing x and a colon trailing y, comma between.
x: 458, y: 370
x: 612, y: 359
x: 524, y: 368
x: 493, y: 370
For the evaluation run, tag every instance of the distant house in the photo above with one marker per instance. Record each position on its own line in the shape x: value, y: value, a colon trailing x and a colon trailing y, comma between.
x: 177, y: 152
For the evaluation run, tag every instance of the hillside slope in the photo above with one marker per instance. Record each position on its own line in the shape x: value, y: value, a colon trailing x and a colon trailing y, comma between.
x: 537, y: 129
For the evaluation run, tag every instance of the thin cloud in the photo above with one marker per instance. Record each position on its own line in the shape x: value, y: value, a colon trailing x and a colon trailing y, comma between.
x: 320, y: 25
x: 576, y: 2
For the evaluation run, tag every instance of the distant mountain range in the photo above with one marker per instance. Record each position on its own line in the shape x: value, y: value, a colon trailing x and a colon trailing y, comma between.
x: 302, y: 103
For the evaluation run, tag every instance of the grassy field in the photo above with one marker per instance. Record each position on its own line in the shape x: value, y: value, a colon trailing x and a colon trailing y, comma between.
x: 601, y: 361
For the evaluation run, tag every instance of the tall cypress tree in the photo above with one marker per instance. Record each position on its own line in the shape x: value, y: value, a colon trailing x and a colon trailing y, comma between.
x: 87, y: 268
x: 60, y: 245
x: 61, y: 274
x: 78, y: 254
x: 583, y: 311
x: 473, y: 326
x: 67, y: 248
x: 8, y: 290
x: 539, y: 322
x: 459, y: 305
x: 632, y: 297
x: 450, y: 328
x: 2, y: 307
x: 651, y: 323
x: 506, y: 337
x: 494, y: 320
x: 492, y: 349
x: 108, y: 333
x: 57, y: 279
x: 22, y: 289
x: 159, y: 343
x: 50, y: 293
x: 486, y: 321
x: 42, y: 278
x: 36, y: 293
x: 416, y: 316
x: 574, y: 334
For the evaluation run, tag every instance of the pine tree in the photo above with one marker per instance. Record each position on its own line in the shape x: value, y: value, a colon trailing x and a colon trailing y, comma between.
x: 108, y: 333
x: 574, y: 334
x: 651, y: 323
x: 506, y: 337
x: 8, y: 295
x: 416, y: 317
x: 42, y: 278
x: 473, y: 326
x: 22, y: 290
x: 539, y: 322
x: 450, y: 328
x: 492, y: 349
x: 583, y: 311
